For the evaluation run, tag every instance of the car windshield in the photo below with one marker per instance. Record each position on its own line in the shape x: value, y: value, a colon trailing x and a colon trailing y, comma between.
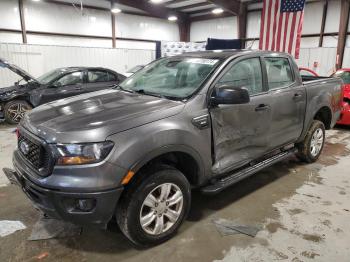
x: 50, y: 76
x: 176, y: 77
x: 344, y: 75
x: 135, y: 69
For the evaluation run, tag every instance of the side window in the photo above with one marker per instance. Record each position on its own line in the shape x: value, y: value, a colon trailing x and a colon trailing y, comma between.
x: 70, y: 79
x: 97, y: 76
x: 112, y: 77
x: 247, y: 74
x: 279, y: 72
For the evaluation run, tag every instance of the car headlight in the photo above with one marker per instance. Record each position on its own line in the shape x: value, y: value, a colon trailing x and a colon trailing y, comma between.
x: 79, y: 154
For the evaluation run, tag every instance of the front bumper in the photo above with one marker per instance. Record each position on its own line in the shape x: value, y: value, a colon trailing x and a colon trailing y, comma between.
x: 62, y: 205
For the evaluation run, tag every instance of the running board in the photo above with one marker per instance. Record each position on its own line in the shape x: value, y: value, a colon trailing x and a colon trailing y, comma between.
x: 229, y: 180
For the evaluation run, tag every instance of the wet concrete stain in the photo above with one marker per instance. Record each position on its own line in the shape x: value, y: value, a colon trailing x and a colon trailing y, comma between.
x: 274, y: 226
x: 313, y: 238
x: 309, y: 254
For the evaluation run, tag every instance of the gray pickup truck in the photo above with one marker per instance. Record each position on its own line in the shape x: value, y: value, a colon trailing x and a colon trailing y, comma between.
x: 200, y: 120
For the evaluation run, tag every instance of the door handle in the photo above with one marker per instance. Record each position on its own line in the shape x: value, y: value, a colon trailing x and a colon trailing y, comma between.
x: 297, y: 95
x: 262, y: 107
x: 78, y: 88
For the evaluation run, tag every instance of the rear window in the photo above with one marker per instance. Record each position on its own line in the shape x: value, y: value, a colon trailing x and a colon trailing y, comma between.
x: 279, y: 72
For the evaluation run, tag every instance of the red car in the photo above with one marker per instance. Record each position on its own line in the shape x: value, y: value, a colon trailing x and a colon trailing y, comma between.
x: 345, y: 115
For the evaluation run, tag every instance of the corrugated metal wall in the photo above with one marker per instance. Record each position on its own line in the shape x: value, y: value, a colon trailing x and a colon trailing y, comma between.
x: 39, y: 59
x: 325, y: 58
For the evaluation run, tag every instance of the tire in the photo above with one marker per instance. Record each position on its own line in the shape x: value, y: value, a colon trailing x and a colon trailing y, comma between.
x: 132, y: 207
x: 15, y: 110
x: 310, y: 149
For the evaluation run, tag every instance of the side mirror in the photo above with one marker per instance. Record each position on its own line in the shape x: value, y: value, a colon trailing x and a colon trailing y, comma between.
x: 230, y: 95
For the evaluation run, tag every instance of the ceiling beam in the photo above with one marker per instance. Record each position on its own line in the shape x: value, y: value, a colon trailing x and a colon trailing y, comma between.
x: 232, y: 6
x: 210, y: 16
x: 154, y: 10
x: 192, y: 6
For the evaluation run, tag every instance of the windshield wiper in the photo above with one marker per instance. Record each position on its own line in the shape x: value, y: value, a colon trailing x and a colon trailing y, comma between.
x: 123, y: 89
x: 142, y: 91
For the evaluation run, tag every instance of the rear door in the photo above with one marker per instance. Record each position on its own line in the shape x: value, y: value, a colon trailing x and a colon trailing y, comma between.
x: 288, y: 101
x: 70, y: 84
x: 240, y: 132
x: 100, y: 79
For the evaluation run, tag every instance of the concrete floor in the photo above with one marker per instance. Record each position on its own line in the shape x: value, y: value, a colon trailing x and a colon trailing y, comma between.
x: 304, y: 212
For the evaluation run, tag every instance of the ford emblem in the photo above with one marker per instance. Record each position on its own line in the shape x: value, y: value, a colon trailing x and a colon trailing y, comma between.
x: 24, y: 147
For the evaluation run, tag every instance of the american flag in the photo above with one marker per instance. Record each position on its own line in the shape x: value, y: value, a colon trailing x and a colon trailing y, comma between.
x: 281, y: 26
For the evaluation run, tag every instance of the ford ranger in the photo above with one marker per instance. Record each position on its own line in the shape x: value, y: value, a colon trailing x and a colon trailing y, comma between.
x: 199, y: 120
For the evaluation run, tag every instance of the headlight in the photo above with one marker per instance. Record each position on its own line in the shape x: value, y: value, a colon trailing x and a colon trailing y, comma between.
x: 78, y: 154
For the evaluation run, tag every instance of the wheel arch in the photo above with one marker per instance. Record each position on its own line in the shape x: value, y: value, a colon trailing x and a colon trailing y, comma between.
x: 324, y: 114
x: 182, y: 157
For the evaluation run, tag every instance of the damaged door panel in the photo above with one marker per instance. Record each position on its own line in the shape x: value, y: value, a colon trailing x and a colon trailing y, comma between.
x: 240, y: 131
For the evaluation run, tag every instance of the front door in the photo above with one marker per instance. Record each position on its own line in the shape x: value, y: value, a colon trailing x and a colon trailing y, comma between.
x: 68, y: 85
x: 240, y: 132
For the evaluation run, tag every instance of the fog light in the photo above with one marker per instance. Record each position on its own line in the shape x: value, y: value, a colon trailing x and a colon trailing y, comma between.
x: 86, y: 205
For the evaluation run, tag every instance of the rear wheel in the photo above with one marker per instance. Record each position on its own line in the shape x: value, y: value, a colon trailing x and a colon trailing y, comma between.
x: 310, y: 149
x: 154, y: 206
x: 15, y: 110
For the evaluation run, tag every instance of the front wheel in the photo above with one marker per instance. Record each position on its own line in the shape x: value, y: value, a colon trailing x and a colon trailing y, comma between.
x: 154, y: 206
x: 310, y: 149
x: 15, y: 110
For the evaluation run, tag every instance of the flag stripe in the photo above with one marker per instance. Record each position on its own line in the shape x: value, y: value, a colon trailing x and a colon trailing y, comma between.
x: 292, y: 29
x: 274, y: 25
x: 267, y: 37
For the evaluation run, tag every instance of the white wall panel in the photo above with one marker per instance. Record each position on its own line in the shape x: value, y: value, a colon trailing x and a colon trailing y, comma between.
x: 333, y: 17
x: 252, y: 45
x: 326, y: 58
x: 135, y: 45
x: 223, y: 28
x: 68, y: 41
x: 330, y: 41
x: 307, y: 42
x: 313, y: 18
x: 38, y: 59
x: 7, y: 37
x: 9, y: 14
x: 49, y: 17
x: 143, y: 27
x: 253, y: 24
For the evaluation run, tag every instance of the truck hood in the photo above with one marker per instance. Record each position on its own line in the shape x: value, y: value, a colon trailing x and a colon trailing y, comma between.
x: 26, y: 76
x: 94, y: 116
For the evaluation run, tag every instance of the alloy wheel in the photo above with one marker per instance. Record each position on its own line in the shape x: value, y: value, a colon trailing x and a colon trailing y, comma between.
x: 17, y: 111
x: 316, y: 142
x: 161, y: 209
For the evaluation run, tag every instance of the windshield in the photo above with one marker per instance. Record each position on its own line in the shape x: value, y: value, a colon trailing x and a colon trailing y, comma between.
x: 135, y: 69
x: 50, y: 76
x: 177, y: 77
x: 344, y: 75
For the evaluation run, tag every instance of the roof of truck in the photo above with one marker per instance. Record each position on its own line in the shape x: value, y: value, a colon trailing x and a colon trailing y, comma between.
x: 223, y: 54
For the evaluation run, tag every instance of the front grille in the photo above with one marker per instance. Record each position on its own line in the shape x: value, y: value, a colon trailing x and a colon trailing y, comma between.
x: 35, y: 153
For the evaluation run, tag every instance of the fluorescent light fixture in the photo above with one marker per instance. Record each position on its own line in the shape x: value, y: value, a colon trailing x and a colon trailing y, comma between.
x: 36, y: 0
x: 156, y: 1
x: 115, y: 10
x: 217, y: 11
x: 172, y: 18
